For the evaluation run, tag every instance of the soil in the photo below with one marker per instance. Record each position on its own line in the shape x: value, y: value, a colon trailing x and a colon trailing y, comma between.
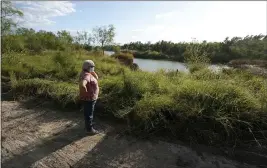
x: 36, y: 136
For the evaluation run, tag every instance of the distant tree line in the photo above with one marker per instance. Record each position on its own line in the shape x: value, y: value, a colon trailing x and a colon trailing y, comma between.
x: 249, y: 47
x: 27, y: 39
x: 19, y: 39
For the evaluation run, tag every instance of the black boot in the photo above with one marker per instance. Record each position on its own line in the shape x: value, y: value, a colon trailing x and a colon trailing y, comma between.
x: 92, y: 131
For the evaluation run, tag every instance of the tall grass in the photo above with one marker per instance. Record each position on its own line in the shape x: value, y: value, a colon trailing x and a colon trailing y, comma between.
x: 196, y: 57
x: 208, y: 106
x: 61, y: 66
x: 63, y: 93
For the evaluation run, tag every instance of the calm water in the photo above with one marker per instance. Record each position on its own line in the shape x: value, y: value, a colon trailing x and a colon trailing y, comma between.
x: 154, y: 65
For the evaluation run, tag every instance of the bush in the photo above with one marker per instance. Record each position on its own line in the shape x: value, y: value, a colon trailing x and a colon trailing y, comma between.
x: 226, y: 110
x: 134, y: 67
x: 63, y: 93
x: 125, y: 58
x: 203, y: 73
x: 195, y: 57
x: 150, y: 55
x: 65, y: 64
x: 64, y: 59
x: 12, y: 44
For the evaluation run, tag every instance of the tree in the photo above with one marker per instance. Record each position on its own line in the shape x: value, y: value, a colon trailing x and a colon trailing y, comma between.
x: 24, y: 31
x: 83, y: 40
x: 103, y: 35
x: 64, y: 37
x: 8, y: 12
x: 116, y: 49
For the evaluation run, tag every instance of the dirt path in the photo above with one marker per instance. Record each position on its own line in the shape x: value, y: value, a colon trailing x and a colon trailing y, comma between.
x: 39, y: 137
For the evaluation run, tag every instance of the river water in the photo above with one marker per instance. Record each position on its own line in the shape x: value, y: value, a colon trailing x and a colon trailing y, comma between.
x: 154, y: 65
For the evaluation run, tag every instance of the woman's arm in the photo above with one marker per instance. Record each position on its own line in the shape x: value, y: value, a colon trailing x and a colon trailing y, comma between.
x: 83, y: 84
x: 95, y: 75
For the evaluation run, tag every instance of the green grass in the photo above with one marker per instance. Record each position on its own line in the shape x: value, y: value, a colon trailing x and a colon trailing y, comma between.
x: 208, y: 106
x: 62, y: 66
x: 62, y: 92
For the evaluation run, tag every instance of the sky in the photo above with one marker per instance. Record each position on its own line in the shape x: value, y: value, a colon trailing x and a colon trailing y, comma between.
x: 177, y: 21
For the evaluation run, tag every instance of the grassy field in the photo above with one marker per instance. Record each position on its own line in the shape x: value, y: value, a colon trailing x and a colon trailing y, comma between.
x: 225, y: 107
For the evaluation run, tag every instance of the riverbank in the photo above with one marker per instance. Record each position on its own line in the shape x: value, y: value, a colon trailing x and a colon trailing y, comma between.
x: 249, y: 47
x: 151, y: 65
x: 147, y: 61
x: 227, y: 108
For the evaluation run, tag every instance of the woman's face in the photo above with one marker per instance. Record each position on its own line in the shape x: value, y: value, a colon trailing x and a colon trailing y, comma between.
x: 91, y: 69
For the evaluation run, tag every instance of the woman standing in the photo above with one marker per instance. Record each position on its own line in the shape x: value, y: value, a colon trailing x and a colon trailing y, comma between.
x: 89, y: 91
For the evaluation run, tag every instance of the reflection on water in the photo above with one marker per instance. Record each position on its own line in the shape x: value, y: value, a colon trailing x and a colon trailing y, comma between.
x: 154, y: 65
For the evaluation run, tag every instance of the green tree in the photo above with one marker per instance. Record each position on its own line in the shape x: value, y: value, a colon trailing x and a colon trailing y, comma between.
x: 8, y: 12
x: 84, y: 40
x: 64, y: 36
x: 64, y: 39
x: 103, y: 35
x: 116, y: 49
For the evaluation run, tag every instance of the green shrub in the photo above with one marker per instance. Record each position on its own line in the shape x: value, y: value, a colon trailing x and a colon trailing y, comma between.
x: 214, y: 98
x: 150, y: 55
x: 64, y: 59
x: 125, y: 58
x: 207, y: 74
x: 61, y: 92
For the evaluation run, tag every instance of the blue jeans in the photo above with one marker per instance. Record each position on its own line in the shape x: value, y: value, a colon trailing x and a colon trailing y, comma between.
x: 88, y: 108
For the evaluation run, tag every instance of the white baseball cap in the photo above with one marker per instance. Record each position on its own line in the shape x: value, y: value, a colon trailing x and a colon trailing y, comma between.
x: 88, y: 64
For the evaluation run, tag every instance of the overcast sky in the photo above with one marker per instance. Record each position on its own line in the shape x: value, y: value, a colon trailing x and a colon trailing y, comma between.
x: 150, y: 21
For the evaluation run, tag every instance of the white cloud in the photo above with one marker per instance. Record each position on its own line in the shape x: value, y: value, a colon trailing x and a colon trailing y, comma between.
x: 134, y: 37
x: 211, y: 21
x: 166, y: 15
x: 138, y: 30
x: 149, y: 32
x: 42, y: 13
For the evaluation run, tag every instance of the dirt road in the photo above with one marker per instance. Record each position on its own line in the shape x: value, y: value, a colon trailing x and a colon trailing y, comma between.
x: 41, y: 137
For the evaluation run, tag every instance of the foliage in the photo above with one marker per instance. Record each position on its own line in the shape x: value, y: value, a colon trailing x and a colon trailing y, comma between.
x: 28, y: 40
x: 116, y: 49
x: 63, y: 93
x: 126, y: 58
x: 83, y: 40
x: 150, y: 55
x: 8, y: 12
x: 103, y: 35
x: 249, y: 47
x: 123, y: 56
x: 225, y: 104
x: 196, y: 57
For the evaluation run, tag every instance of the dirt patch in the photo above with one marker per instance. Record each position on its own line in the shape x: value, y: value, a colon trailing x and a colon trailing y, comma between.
x: 39, y: 137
